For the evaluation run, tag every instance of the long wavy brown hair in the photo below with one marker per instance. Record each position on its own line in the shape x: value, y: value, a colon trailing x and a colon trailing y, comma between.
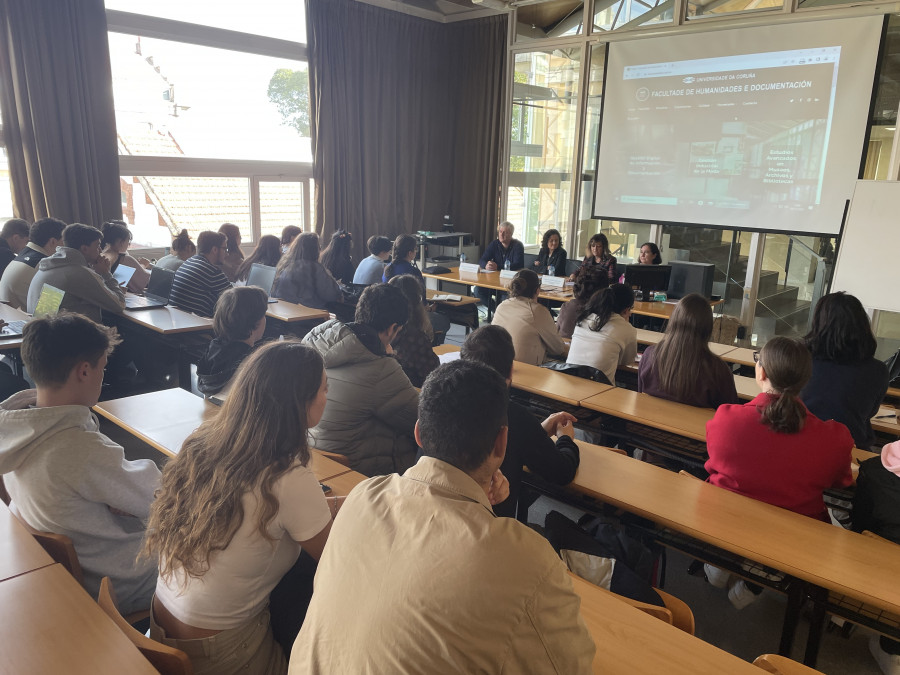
x: 254, y: 439
x: 683, y: 358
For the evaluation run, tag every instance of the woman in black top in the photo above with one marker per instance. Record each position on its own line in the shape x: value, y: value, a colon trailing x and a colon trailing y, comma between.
x: 598, y: 256
x: 847, y: 383
x: 337, y: 259
x: 551, y: 254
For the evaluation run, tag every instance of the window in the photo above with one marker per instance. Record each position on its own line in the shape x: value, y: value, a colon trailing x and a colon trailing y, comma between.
x: 212, y: 124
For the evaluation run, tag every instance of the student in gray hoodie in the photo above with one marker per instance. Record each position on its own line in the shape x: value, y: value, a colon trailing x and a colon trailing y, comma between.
x: 63, y: 475
x: 78, y: 269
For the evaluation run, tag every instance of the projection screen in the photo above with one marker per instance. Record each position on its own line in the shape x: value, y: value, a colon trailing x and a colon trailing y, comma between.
x: 753, y: 128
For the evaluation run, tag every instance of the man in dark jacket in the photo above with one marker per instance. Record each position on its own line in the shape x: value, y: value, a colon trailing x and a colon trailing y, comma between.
x: 372, y: 406
x: 529, y: 442
x: 13, y: 238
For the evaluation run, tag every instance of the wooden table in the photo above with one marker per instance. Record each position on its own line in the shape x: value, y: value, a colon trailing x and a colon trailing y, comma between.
x: 290, y: 312
x: 49, y: 624
x: 342, y: 483
x: 887, y: 425
x: 9, y: 314
x: 164, y: 419
x: 662, y: 310
x: 816, y: 552
x: 631, y: 642
x: 740, y: 355
x: 747, y: 389
x: 21, y: 553
x: 462, y: 302
x: 493, y: 281
x: 677, y: 418
x: 545, y: 382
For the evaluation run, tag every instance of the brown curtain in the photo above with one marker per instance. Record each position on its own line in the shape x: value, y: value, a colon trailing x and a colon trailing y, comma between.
x: 57, y: 104
x: 406, y: 120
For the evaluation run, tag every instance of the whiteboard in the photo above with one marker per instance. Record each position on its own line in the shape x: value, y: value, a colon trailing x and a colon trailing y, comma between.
x: 871, y: 239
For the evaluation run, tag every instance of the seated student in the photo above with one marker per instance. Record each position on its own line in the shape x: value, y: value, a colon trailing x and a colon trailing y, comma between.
x: 82, y: 272
x: 528, y: 321
x: 412, y: 346
x: 45, y: 235
x: 420, y: 576
x: 403, y: 259
x: 681, y: 367
x: 529, y: 442
x: 267, y: 252
x: 598, y: 256
x: 13, y: 238
x: 233, y: 257
x: 773, y: 449
x: 63, y: 475
x: 603, y: 337
x: 876, y: 508
x: 502, y: 253
x: 371, y: 270
x: 116, y: 240
x: 300, y: 277
x: 588, y: 281
x: 649, y: 254
x: 236, y: 506
x: 371, y: 407
x: 182, y: 249
x: 239, y: 323
x: 848, y: 383
x: 288, y: 234
x: 199, y: 282
x: 552, y: 254
x: 336, y: 257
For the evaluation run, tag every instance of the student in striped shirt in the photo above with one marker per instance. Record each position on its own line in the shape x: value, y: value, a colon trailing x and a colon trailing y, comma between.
x: 200, y: 281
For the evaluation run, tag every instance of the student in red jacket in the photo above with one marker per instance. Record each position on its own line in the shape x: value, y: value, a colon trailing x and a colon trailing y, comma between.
x: 772, y: 448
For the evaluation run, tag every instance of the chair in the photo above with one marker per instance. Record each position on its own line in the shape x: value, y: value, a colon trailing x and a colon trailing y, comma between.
x: 167, y: 660
x: 60, y: 548
x: 782, y: 665
x: 336, y: 456
x: 682, y: 616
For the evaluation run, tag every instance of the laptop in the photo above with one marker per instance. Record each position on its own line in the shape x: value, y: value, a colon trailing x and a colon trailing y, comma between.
x: 123, y: 274
x: 157, y: 292
x: 262, y: 276
x: 48, y: 303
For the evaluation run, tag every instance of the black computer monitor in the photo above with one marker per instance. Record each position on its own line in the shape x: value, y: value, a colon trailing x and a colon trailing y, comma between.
x: 648, y: 278
x: 691, y: 277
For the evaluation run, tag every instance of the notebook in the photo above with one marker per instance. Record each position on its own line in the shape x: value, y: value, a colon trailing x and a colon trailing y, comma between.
x: 156, y: 293
x: 48, y: 303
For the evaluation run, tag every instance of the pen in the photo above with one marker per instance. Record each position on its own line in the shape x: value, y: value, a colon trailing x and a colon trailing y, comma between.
x: 881, y: 417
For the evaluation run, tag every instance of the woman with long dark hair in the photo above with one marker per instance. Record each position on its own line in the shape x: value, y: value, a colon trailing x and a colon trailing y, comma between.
x: 115, y: 243
x: 649, y: 254
x: 288, y: 234
x: 182, y: 249
x: 681, y: 366
x: 234, y: 509
x: 267, y: 252
x: 552, y: 254
x: 529, y: 323
x: 848, y: 383
x: 336, y: 257
x: 598, y: 256
x: 588, y: 281
x: 603, y: 337
x: 403, y: 259
x: 302, y: 279
x: 233, y: 254
x: 412, y: 346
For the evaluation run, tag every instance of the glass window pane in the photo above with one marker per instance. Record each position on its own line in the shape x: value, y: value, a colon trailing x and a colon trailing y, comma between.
x: 718, y: 7
x: 553, y: 19
x: 285, y: 19
x: 179, y: 99
x: 618, y: 14
x: 280, y: 204
x: 544, y: 118
x: 6, y: 207
x: 157, y: 208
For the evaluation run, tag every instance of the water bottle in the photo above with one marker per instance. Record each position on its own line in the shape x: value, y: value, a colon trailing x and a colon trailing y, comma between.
x: 506, y: 264
x: 551, y: 270
x: 463, y: 257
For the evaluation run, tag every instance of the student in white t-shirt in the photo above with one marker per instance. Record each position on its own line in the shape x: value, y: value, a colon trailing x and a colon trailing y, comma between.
x: 603, y: 338
x: 234, y: 510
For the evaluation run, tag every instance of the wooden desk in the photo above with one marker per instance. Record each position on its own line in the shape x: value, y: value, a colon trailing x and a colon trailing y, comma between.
x: 820, y: 553
x: 739, y: 355
x: 9, y: 314
x: 893, y: 392
x: 631, y: 642
x: 290, y: 312
x: 661, y: 310
x: 677, y: 418
x: 21, y: 553
x: 49, y: 624
x: 493, y: 281
x: 887, y: 425
x: 747, y: 389
x: 648, y: 337
x: 164, y: 419
x: 168, y: 320
x: 462, y: 302
x: 342, y: 483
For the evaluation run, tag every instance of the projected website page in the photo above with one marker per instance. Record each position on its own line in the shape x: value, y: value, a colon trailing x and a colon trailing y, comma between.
x: 763, y: 140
